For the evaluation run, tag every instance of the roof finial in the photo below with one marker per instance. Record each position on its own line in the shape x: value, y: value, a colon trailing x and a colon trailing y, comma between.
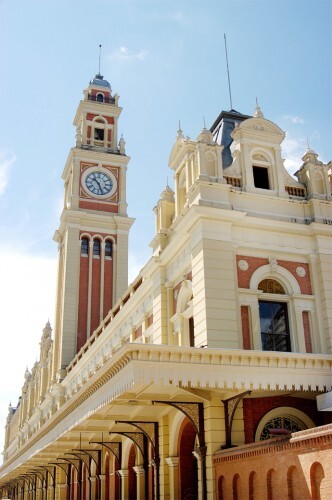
x: 167, y: 182
x: 180, y: 133
x: 308, y: 142
x: 258, y: 113
x: 99, y: 59
x: 229, y: 80
x: 204, y: 127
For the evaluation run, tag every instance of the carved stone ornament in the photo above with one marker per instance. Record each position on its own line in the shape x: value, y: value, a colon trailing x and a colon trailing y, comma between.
x: 273, y: 264
x: 259, y: 127
x: 300, y: 271
x: 259, y: 157
x: 243, y: 265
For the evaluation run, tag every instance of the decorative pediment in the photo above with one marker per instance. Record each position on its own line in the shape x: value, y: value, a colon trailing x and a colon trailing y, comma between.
x: 176, y: 153
x: 258, y: 127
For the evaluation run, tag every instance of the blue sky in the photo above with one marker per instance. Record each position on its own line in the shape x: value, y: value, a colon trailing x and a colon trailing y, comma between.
x: 166, y: 59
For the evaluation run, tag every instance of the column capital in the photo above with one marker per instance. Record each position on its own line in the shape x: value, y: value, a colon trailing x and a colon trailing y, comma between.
x: 172, y: 461
x: 139, y: 469
x: 123, y: 472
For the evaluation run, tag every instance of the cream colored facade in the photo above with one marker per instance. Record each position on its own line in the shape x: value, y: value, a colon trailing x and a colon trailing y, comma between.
x: 179, y: 358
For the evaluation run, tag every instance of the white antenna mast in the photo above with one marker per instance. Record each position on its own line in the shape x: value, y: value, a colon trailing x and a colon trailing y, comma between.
x: 229, y: 80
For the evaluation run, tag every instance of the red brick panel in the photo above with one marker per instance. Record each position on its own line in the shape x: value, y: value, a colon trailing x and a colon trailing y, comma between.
x: 83, y: 302
x: 255, y: 263
x: 91, y: 116
x: 95, y: 294
x: 101, y: 207
x: 138, y: 332
x: 304, y: 282
x: 244, y: 277
x: 150, y: 320
x: 245, y: 327
x: 306, y: 329
x: 108, y: 285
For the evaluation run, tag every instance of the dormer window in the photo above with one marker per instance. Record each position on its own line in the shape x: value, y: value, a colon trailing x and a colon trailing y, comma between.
x: 261, y: 177
x: 100, y: 97
x: 99, y: 134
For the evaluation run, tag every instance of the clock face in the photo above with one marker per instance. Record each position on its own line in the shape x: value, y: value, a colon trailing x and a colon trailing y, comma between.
x: 99, y: 183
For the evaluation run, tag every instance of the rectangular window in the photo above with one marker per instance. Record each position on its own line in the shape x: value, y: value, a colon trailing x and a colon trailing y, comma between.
x: 261, y: 177
x: 274, y: 326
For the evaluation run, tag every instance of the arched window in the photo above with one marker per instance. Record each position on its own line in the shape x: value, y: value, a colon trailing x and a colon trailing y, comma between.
x: 221, y: 482
x: 271, y: 286
x: 236, y: 487
x: 282, y: 420
x: 99, y: 129
x: 271, y: 485
x: 293, y: 483
x: 108, y: 248
x: 100, y: 97
x: 96, y: 247
x: 84, y: 246
x: 316, y: 477
x: 253, y: 486
x: 273, y: 319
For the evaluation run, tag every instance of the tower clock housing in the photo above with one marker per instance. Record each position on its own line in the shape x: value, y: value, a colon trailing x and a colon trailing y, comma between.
x: 94, y: 228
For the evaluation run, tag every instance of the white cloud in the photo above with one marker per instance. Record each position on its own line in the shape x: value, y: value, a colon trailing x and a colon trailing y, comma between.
x: 293, y: 149
x: 136, y: 262
x: 123, y: 54
x: 178, y: 17
x: 27, y: 297
x: 5, y: 165
x: 297, y: 120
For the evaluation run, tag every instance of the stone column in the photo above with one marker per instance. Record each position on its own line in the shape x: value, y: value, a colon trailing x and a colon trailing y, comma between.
x: 61, y: 491
x: 102, y: 479
x: 124, y: 474
x: 140, y: 481
x: 122, y: 192
x: 173, y: 464
x: 200, y: 454
x: 256, y: 327
x: 92, y: 481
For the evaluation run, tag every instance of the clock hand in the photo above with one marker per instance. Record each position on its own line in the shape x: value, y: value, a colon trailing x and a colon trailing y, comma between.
x: 101, y: 191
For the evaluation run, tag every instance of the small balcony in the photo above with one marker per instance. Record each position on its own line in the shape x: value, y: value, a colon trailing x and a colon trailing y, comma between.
x: 105, y: 100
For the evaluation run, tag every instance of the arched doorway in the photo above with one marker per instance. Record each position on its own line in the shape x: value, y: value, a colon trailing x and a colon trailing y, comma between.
x: 132, y: 486
x: 188, y: 470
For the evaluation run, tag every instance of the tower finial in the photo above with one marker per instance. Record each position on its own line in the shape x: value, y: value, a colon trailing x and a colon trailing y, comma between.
x: 99, y: 59
x: 204, y: 127
x: 229, y: 80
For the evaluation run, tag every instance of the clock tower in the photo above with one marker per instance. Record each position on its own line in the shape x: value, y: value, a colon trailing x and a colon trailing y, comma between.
x: 94, y: 228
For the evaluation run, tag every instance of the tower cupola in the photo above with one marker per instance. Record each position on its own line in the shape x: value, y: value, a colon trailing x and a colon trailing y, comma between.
x: 97, y: 117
